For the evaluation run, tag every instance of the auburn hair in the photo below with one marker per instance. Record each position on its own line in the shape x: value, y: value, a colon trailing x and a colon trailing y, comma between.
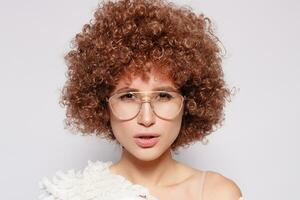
x: 125, y: 35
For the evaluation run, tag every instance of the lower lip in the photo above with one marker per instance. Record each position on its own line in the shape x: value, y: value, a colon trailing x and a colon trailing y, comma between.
x: 146, y: 142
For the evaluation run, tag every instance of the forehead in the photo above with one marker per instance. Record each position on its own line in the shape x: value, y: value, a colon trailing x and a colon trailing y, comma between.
x: 154, y: 81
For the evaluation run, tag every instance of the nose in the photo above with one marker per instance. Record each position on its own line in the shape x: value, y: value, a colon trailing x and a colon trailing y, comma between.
x: 146, y: 115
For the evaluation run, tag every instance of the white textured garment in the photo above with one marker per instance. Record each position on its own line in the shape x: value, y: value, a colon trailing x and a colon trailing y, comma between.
x: 95, y: 182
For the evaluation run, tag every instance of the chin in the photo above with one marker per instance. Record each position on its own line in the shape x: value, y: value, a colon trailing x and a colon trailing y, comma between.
x: 148, y: 154
x: 147, y: 158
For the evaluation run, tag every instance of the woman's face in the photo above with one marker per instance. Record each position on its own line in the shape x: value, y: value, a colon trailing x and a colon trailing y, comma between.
x: 145, y: 121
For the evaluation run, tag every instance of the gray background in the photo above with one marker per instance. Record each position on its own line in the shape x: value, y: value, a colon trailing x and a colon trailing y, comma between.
x: 256, y: 146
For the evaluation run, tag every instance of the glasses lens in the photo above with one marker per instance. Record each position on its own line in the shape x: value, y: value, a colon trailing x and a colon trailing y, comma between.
x: 125, y: 105
x: 165, y: 104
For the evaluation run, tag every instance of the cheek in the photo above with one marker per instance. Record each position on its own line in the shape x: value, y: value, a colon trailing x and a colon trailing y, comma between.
x: 171, y: 128
x: 121, y: 129
x: 176, y: 126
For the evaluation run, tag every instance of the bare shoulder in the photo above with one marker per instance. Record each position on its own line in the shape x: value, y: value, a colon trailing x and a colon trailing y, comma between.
x: 218, y: 187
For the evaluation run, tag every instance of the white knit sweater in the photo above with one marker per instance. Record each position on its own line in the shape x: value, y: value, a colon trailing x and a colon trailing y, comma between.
x: 95, y: 182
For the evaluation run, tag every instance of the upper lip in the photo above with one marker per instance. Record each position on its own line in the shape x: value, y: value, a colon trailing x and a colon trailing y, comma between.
x: 147, y: 134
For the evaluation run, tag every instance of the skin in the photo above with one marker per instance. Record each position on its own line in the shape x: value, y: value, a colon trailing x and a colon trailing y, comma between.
x: 150, y: 166
x: 154, y: 167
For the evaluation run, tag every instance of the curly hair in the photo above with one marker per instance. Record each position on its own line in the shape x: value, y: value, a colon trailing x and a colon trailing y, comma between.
x: 125, y: 35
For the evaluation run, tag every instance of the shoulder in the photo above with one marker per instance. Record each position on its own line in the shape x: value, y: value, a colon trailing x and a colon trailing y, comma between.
x: 218, y: 187
x: 215, y: 185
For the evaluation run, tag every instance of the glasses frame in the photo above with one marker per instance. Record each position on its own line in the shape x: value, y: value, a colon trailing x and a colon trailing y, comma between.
x: 148, y: 100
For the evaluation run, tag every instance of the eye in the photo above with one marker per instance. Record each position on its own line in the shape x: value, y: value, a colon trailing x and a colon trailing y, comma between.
x: 127, y: 96
x: 164, y: 96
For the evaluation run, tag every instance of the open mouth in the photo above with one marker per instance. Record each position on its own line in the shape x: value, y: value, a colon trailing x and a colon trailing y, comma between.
x: 146, y: 141
x: 146, y: 137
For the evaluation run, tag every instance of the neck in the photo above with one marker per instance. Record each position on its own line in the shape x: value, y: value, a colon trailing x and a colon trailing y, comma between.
x: 152, y: 173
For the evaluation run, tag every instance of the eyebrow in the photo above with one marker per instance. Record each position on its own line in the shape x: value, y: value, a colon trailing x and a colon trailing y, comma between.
x: 161, y: 88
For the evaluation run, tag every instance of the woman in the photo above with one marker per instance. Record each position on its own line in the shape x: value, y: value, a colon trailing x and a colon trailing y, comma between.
x: 147, y: 75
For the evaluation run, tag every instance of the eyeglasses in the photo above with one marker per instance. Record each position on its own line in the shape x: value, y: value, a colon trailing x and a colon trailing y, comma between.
x: 165, y: 104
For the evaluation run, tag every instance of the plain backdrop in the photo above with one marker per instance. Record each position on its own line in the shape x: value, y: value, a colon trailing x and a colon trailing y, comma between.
x: 256, y: 147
